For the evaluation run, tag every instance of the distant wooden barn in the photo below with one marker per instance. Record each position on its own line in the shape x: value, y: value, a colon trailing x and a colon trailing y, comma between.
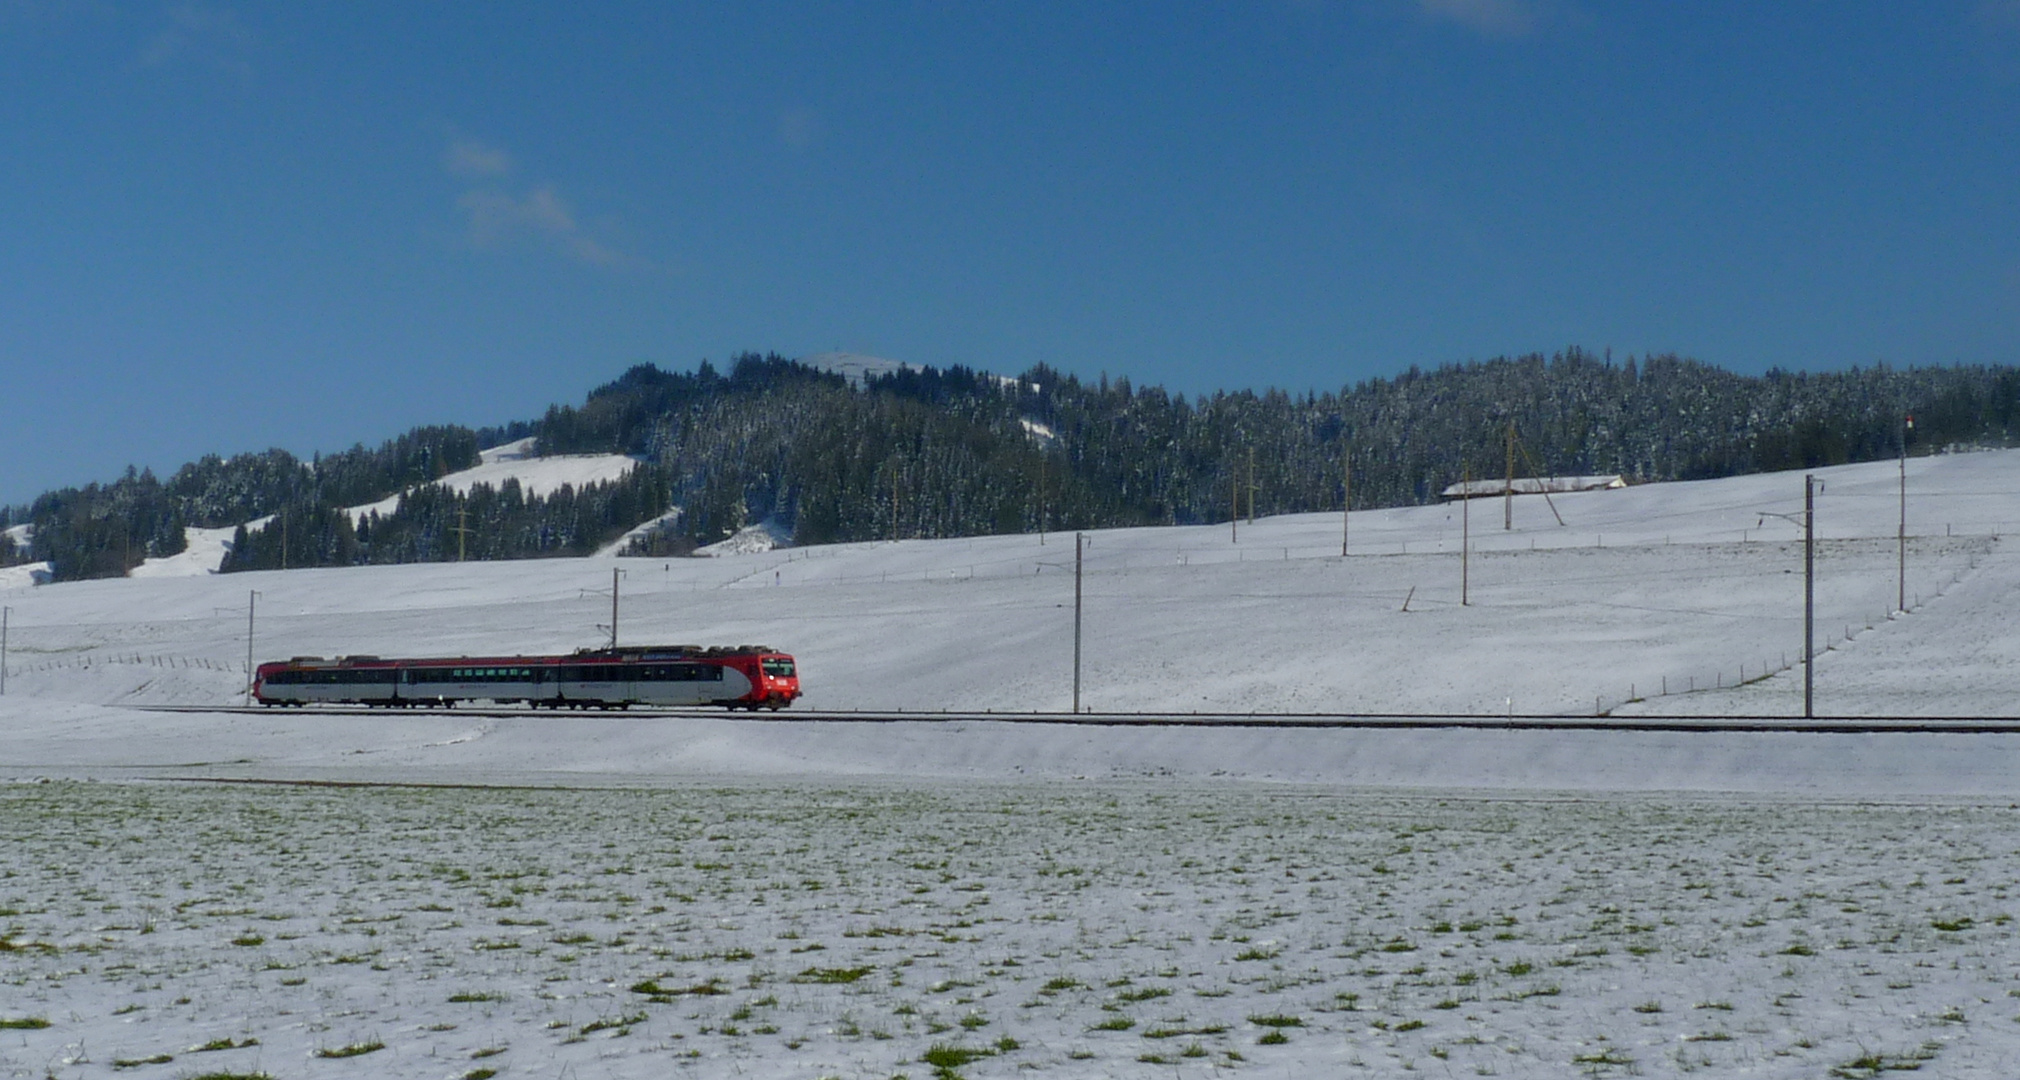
x: 1533, y: 485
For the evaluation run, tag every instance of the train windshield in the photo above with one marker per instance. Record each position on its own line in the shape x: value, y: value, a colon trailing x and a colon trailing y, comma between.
x: 778, y: 668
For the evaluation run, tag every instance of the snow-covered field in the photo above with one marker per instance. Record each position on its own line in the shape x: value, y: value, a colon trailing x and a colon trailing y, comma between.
x: 871, y: 930
x: 711, y: 896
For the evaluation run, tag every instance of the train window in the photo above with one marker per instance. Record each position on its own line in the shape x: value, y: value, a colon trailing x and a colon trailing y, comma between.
x: 671, y: 673
x: 781, y: 668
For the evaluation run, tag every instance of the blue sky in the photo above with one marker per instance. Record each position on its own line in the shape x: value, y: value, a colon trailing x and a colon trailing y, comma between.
x: 227, y: 226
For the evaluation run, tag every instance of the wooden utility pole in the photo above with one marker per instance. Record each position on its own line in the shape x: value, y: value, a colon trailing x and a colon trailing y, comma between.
x: 1465, y: 527
x: 1234, y: 505
x: 462, y: 530
x: 1079, y: 543
x: 1508, y: 495
x: 3, y: 650
x: 614, y: 571
x: 1346, y: 492
x: 1041, y: 496
x: 1537, y: 471
x: 1808, y: 596
x: 1901, y: 535
x: 894, y: 501
x: 284, y: 539
x: 1251, y: 485
x: 251, y: 604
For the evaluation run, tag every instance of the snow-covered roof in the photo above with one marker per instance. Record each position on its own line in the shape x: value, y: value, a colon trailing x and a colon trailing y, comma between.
x: 1532, y: 485
x: 856, y: 367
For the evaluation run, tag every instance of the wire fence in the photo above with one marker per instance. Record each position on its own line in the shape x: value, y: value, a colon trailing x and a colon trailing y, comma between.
x: 88, y: 661
x: 1747, y: 673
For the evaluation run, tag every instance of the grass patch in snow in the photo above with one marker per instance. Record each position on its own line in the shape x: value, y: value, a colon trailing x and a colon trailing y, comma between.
x: 351, y: 1050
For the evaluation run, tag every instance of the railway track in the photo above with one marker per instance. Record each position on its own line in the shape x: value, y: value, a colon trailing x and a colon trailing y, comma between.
x: 1835, y: 725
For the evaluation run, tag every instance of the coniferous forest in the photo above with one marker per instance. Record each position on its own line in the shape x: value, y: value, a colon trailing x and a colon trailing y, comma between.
x: 952, y: 452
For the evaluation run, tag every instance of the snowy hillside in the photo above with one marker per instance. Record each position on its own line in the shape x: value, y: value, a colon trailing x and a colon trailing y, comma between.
x: 16, y: 539
x: 512, y: 461
x: 1668, y: 593
x: 1680, y: 582
x: 515, y: 461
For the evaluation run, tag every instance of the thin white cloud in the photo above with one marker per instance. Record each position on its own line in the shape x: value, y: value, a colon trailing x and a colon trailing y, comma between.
x: 468, y: 157
x: 1494, y: 18
x: 205, y: 35
x: 496, y: 220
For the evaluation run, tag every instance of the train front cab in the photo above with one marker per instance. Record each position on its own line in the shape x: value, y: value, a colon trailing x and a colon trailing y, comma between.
x: 774, y: 679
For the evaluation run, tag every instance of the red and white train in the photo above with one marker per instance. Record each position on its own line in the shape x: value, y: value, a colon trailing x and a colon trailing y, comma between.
x: 737, y: 676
